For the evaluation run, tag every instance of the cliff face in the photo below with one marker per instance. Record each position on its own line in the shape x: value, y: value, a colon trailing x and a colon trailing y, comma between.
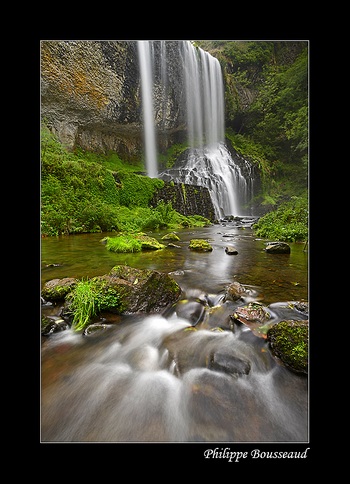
x: 90, y: 95
x: 186, y: 199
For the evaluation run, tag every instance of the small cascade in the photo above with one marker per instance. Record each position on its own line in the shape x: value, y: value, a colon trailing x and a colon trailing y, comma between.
x: 214, y: 168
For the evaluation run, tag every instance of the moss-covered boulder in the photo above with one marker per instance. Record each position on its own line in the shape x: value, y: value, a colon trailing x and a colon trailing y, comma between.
x: 132, y: 243
x: 288, y: 341
x: 200, y: 245
x: 149, y: 243
x: 140, y: 290
x: 57, y: 289
x: 170, y: 236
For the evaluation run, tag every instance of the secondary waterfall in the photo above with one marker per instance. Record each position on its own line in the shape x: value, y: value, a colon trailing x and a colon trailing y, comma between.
x: 145, y: 60
x: 207, y: 162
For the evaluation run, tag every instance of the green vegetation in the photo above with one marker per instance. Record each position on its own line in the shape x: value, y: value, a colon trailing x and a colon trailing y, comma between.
x: 168, y: 159
x: 84, y: 192
x: 123, y: 243
x: 289, y: 223
x: 88, y: 298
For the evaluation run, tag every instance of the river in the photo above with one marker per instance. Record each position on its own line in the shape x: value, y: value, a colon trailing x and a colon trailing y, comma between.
x: 124, y: 385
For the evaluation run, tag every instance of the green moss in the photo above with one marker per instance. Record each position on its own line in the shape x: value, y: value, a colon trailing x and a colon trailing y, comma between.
x: 200, y: 245
x: 289, y: 341
x: 183, y: 189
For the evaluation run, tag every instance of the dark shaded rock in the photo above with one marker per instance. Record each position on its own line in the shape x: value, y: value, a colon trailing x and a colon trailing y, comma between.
x: 186, y: 199
x: 288, y: 341
x: 192, y: 311
x: 290, y: 310
x: 52, y: 325
x: 230, y: 250
x: 226, y: 361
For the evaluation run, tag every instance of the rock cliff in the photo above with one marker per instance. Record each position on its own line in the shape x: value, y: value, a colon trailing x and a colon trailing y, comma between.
x: 90, y: 95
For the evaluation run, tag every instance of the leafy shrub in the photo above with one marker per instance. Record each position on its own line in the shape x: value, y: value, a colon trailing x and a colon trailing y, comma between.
x: 289, y: 223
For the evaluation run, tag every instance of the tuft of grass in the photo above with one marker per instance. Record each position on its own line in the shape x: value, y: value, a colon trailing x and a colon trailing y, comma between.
x: 123, y: 244
x: 88, y: 298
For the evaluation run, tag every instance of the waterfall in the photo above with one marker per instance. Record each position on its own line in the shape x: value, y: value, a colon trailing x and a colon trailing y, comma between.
x: 208, y: 162
x: 145, y: 59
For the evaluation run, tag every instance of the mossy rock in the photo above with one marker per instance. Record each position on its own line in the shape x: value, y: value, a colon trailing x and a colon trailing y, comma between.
x: 57, y: 289
x: 144, y: 290
x: 149, y: 243
x: 288, y: 341
x: 200, y: 245
x: 170, y: 236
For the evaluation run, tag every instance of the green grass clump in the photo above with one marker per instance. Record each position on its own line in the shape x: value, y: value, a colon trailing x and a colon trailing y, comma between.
x: 87, y: 299
x: 123, y: 244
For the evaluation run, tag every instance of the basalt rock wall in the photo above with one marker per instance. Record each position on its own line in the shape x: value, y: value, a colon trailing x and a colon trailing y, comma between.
x: 91, y: 95
x: 186, y: 199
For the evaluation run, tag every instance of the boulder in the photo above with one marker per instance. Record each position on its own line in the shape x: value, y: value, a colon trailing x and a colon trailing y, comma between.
x: 140, y: 290
x: 288, y: 341
x: 277, y: 248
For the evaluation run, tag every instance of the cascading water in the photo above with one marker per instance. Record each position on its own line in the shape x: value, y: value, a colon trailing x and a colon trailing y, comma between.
x: 208, y: 161
x: 145, y: 60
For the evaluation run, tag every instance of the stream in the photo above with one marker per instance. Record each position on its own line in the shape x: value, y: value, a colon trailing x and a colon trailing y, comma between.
x: 124, y: 384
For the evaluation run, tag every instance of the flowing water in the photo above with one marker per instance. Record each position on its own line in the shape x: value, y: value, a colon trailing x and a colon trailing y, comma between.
x: 155, y: 378
x: 207, y: 162
x: 145, y: 59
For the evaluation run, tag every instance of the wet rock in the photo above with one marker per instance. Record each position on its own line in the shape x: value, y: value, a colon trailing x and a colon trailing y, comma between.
x: 252, y: 313
x: 95, y: 328
x: 192, y: 311
x: 140, y: 290
x: 226, y: 361
x: 277, y: 248
x: 256, y: 316
x: 230, y: 250
x: 235, y: 291
x: 50, y: 325
x: 290, y: 310
x: 57, y: 289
